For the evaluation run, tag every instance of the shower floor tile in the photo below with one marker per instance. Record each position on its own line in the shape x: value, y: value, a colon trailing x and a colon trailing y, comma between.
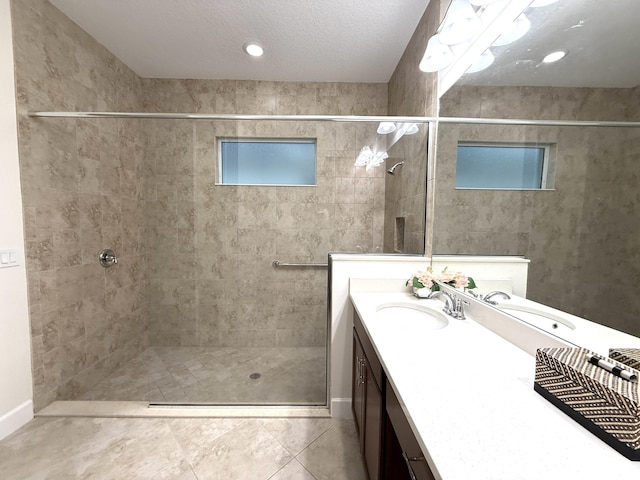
x: 219, y: 376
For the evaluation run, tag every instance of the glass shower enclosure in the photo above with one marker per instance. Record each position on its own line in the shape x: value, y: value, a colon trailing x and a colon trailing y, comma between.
x: 219, y: 295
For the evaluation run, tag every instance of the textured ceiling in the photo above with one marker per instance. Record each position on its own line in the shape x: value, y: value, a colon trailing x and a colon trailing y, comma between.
x: 351, y: 40
x: 304, y: 40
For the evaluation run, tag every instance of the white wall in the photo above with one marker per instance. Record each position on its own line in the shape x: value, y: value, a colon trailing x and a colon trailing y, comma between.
x: 15, y: 351
x: 343, y: 268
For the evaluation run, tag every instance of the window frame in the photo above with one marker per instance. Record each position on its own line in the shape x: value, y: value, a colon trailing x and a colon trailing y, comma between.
x: 548, y: 163
x: 220, y: 140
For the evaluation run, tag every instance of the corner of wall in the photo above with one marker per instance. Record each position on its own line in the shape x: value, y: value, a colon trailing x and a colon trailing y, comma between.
x: 16, y: 407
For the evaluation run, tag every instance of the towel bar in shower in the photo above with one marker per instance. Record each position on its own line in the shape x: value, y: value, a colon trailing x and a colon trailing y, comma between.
x: 278, y: 264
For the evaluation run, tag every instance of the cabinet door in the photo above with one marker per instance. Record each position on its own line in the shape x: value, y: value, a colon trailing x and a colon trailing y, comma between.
x: 357, y: 388
x: 373, y: 425
x: 416, y: 466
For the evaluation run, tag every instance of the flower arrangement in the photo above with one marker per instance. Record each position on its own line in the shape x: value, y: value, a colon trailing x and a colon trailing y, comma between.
x: 427, y: 279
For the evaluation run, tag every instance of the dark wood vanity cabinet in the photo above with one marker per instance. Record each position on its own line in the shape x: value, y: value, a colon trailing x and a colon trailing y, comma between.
x: 389, y: 449
x: 367, y: 404
x: 410, y: 452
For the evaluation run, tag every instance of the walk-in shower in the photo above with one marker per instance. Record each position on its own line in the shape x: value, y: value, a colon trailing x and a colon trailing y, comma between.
x: 219, y: 293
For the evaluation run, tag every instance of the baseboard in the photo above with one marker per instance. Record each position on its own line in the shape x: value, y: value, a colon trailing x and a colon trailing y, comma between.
x: 341, y: 408
x: 16, y: 418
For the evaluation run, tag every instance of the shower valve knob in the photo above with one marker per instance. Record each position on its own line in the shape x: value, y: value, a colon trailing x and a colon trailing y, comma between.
x: 107, y: 258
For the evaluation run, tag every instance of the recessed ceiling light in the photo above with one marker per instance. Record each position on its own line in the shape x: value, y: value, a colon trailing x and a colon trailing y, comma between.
x: 253, y: 49
x: 554, y: 57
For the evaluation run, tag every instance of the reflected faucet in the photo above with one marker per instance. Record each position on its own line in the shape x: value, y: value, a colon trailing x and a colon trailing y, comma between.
x: 487, y: 298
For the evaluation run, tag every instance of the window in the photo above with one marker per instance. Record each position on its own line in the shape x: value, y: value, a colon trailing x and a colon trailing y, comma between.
x: 503, y: 166
x: 262, y: 161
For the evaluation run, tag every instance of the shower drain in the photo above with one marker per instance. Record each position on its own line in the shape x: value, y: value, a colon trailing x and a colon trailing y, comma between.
x: 254, y: 376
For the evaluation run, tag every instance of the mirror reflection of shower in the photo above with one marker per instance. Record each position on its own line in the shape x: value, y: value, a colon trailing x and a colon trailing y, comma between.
x: 392, y: 170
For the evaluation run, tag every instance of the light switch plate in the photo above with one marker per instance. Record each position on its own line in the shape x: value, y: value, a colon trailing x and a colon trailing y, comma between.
x: 9, y: 258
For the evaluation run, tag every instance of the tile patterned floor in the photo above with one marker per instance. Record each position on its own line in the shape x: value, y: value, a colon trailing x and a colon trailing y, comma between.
x: 288, y: 376
x: 182, y: 449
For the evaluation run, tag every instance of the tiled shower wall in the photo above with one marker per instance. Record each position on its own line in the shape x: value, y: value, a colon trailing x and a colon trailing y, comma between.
x: 211, y: 247
x: 412, y: 93
x: 579, y: 237
x: 405, y: 195
x: 194, y: 257
x: 81, y: 193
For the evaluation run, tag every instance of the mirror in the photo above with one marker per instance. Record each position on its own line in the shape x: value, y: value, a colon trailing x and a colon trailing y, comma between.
x: 581, y: 235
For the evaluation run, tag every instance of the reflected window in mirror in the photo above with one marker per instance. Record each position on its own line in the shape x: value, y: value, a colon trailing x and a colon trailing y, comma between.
x: 510, y: 166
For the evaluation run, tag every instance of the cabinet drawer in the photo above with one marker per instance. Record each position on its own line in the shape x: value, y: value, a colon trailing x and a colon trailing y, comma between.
x: 370, y: 353
x: 413, y: 456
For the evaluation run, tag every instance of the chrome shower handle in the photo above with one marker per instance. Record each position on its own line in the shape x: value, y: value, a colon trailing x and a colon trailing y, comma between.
x: 107, y: 258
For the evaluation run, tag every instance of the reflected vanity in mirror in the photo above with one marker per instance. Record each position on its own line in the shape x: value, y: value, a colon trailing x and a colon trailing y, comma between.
x: 580, y: 224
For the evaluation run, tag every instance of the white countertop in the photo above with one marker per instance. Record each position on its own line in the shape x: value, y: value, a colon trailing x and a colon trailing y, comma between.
x: 469, y: 397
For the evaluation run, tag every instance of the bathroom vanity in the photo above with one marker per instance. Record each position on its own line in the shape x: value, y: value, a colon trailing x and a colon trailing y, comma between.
x: 453, y: 399
x: 388, y: 446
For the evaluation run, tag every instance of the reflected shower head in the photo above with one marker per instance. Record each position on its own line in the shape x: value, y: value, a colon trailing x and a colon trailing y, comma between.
x: 392, y: 170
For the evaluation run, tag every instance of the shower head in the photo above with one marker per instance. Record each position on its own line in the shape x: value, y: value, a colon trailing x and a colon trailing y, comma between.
x: 392, y: 170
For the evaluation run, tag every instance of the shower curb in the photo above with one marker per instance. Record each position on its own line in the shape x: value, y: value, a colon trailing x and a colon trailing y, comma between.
x: 144, y: 410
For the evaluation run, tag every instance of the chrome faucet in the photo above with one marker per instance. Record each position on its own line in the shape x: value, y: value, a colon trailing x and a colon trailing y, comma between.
x: 487, y: 298
x: 454, y: 306
x: 458, y: 311
x: 448, y: 300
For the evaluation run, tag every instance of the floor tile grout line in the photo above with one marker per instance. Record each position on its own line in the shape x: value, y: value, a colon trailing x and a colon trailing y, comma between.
x: 293, y: 459
x: 181, y: 446
x: 316, y: 439
x: 331, y: 423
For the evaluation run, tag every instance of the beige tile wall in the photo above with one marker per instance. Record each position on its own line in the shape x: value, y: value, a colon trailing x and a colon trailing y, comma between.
x: 412, y: 93
x: 195, y: 258
x: 579, y: 237
x: 81, y: 192
x: 211, y: 276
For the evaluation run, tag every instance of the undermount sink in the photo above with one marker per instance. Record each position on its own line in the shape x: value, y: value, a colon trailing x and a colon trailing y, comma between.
x: 547, y: 321
x: 412, y: 317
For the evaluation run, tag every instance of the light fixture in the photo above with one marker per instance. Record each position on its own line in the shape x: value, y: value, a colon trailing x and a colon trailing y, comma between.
x: 518, y: 28
x: 364, y: 157
x: 370, y: 157
x: 460, y: 24
x: 541, y: 3
x: 377, y: 159
x: 482, y: 3
x: 479, y: 24
x: 412, y: 129
x: 386, y: 127
x: 554, y: 57
x: 253, y: 49
x: 437, y: 56
x: 482, y: 62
